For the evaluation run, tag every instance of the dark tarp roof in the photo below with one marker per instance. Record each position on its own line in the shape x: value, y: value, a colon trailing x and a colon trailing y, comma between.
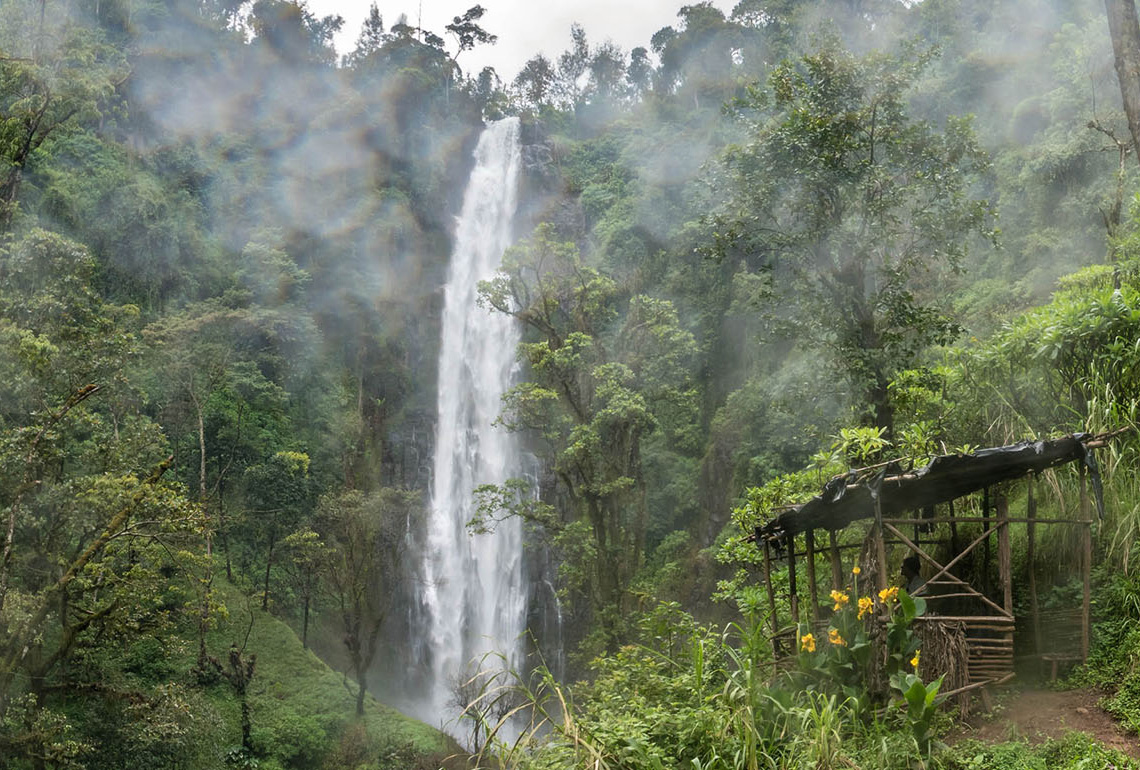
x: 851, y: 497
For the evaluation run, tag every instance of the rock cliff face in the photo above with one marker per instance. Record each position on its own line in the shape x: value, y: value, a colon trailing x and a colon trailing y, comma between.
x: 542, y: 197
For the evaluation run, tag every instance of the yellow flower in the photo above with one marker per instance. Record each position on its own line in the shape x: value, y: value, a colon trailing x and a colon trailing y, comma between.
x: 834, y: 637
x: 840, y: 600
x: 866, y: 604
x: 855, y: 570
x: 888, y: 595
x: 807, y: 642
x: 914, y: 660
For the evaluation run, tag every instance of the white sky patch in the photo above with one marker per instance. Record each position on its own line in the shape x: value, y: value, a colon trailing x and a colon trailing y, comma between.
x: 524, y: 27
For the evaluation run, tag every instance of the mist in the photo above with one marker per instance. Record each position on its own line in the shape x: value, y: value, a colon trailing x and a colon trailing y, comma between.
x: 742, y: 236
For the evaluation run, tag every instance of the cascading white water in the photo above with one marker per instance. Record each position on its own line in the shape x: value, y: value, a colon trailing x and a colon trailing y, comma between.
x: 474, y: 592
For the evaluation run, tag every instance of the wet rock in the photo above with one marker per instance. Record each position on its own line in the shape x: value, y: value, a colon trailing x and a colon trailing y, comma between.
x: 538, y: 165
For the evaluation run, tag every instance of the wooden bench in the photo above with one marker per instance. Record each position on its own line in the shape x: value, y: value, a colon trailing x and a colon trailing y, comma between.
x: 1061, y: 644
x: 1054, y: 659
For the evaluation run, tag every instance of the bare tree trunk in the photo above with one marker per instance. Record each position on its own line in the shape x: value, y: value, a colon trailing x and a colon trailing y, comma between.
x: 268, y: 564
x: 360, y: 680
x: 203, y: 493
x: 204, y: 607
x: 1125, y: 29
x: 305, y: 625
x: 222, y: 529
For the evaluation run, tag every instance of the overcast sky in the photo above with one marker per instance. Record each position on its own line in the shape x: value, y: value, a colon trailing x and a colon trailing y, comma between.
x: 524, y: 27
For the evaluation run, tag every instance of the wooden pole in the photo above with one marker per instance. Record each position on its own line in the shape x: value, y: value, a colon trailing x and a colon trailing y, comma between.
x: 1005, y: 556
x: 986, y: 545
x: 793, y: 598
x: 836, y: 561
x: 953, y: 531
x: 880, y: 545
x: 813, y: 591
x: 1030, y: 556
x: 772, y: 616
x: 1086, y: 565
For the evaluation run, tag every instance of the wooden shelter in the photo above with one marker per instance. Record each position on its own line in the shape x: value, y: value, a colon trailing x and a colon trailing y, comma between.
x: 903, y: 504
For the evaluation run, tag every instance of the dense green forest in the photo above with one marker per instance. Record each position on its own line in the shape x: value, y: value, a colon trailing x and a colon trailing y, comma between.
x: 768, y: 246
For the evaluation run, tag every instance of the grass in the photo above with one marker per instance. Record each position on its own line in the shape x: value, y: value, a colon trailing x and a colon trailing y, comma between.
x: 296, y: 700
x: 1075, y: 751
x: 147, y: 706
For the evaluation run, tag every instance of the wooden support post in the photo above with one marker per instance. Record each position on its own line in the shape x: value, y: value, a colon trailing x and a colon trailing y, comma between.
x: 836, y: 562
x: 953, y: 531
x: 1086, y: 564
x: 986, y: 545
x: 1030, y: 557
x: 880, y: 546
x: 793, y: 597
x: 813, y: 591
x: 1005, y: 555
x: 772, y: 616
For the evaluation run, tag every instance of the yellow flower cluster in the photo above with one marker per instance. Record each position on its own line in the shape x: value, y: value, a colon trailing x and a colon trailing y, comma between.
x: 807, y: 642
x: 914, y: 660
x: 855, y: 570
x: 866, y: 605
x: 888, y: 595
x: 840, y: 600
x: 834, y: 637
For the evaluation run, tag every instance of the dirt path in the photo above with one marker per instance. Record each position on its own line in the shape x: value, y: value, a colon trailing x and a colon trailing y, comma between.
x: 1040, y: 714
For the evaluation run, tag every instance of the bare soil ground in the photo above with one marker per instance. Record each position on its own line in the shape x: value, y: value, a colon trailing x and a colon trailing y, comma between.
x: 1037, y: 715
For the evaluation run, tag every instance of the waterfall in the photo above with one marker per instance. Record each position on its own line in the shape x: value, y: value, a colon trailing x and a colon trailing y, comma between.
x: 474, y: 594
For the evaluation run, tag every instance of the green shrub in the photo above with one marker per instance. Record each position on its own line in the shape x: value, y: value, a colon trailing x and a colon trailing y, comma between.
x: 1075, y: 751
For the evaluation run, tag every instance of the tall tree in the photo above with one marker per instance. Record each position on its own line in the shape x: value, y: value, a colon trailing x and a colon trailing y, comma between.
x: 90, y: 539
x: 572, y: 66
x: 536, y: 81
x: 278, y: 495
x: 1124, y: 26
x: 853, y: 210
x: 606, y: 371
x: 54, y: 76
x: 365, y: 537
x: 467, y: 31
x: 371, y: 37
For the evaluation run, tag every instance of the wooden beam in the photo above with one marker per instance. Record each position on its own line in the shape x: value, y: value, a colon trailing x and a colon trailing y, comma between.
x: 969, y: 620
x: 976, y: 519
x: 978, y: 595
x: 1030, y: 555
x: 813, y: 591
x: 946, y: 570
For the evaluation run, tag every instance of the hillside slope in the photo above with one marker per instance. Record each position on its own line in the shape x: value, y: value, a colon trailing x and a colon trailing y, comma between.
x: 153, y: 707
